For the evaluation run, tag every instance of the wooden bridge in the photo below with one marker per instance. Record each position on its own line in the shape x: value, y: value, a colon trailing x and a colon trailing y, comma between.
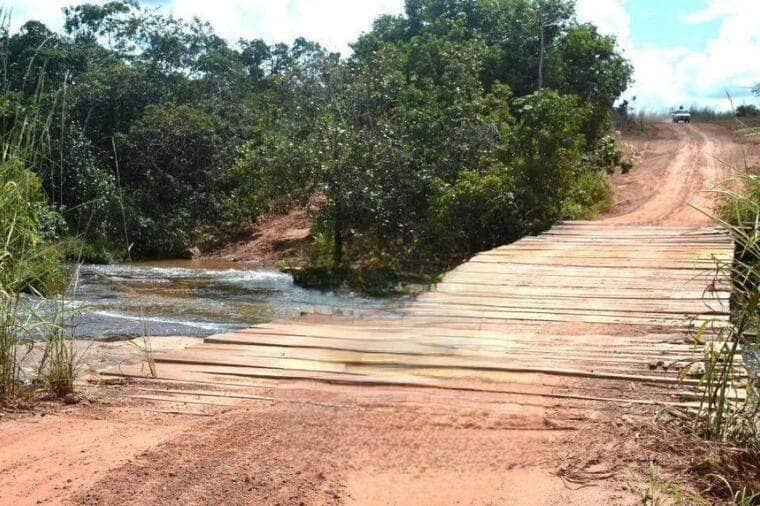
x: 587, y: 311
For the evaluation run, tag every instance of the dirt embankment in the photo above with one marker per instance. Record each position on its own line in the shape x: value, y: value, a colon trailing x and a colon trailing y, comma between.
x: 331, y: 444
x: 276, y: 239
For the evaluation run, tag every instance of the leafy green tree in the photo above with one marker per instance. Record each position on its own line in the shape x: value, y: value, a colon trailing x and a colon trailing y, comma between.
x: 168, y: 161
x: 588, y: 66
x: 544, y: 147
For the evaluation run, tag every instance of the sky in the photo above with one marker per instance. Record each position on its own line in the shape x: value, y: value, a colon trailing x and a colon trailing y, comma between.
x: 685, y: 52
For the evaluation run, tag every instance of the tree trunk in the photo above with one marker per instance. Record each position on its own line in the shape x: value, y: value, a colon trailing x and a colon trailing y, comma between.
x: 541, y: 53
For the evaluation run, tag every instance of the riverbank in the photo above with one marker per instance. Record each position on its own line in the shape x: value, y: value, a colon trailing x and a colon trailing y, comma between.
x: 274, y: 241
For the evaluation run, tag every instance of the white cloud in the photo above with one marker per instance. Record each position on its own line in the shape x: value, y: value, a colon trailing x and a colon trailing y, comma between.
x: 610, y: 16
x: 49, y: 12
x: 666, y: 76
x: 715, y: 9
x: 333, y: 23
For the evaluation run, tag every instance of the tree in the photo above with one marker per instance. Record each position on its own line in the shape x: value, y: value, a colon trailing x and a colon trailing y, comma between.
x: 544, y: 148
x: 747, y: 110
x: 521, y: 39
x: 587, y: 65
x: 168, y: 161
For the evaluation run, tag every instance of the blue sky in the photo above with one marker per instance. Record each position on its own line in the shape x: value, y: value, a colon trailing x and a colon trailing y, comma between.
x: 685, y: 51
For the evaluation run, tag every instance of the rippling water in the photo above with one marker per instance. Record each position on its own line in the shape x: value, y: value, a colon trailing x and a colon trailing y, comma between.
x: 199, y: 299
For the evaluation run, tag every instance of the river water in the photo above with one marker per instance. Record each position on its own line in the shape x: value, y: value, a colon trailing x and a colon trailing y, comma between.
x: 196, y: 299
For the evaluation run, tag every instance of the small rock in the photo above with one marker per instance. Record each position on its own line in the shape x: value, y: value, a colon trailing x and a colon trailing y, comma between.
x: 193, y: 253
x: 697, y: 369
x: 71, y: 398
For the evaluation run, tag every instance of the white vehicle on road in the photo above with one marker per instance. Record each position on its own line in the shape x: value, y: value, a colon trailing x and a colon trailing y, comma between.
x: 682, y: 115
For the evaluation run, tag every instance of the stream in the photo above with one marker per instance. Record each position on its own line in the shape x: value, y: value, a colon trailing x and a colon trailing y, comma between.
x: 192, y: 298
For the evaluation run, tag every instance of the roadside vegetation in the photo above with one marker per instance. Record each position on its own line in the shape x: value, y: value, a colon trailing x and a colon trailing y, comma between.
x: 452, y: 128
x: 31, y: 270
x: 718, y: 445
x: 729, y: 411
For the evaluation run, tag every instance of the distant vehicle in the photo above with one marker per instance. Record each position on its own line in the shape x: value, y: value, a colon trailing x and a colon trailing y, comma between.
x: 682, y: 115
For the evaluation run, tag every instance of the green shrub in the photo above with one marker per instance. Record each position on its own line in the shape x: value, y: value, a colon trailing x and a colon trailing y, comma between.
x: 747, y: 110
x: 607, y: 156
x: 545, y: 148
x: 30, y: 258
x: 170, y: 160
x: 476, y: 212
x: 30, y: 261
x: 589, y: 196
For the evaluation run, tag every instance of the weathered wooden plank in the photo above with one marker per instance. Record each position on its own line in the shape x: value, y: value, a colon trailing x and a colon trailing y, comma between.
x: 633, y: 304
x: 283, y: 347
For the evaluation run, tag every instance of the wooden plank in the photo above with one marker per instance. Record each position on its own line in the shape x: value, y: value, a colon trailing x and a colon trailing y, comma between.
x: 636, y: 305
x: 590, y: 292
x: 332, y: 361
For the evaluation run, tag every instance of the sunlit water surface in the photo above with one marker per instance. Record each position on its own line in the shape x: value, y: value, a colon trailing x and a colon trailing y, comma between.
x: 197, y: 299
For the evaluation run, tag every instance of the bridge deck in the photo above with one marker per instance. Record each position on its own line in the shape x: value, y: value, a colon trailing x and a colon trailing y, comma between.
x: 582, y: 312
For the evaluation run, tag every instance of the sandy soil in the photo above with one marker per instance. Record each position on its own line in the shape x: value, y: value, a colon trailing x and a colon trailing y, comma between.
x: 304, y: 443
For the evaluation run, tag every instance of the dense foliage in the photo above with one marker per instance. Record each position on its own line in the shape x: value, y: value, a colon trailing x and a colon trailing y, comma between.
x: 457, y: 126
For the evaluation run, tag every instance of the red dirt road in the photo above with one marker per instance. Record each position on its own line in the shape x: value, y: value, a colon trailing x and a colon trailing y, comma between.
x: 308, y: 443
x: 674, y: 182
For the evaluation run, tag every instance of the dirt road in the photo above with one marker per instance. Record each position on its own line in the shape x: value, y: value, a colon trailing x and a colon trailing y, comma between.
x: 275, y: 438
x: 673, y: 183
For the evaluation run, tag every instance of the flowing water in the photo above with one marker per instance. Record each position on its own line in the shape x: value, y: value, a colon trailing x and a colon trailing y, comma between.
x: 197, y: 299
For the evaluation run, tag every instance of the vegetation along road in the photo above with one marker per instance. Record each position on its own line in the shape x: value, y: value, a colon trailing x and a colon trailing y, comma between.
x: 522, y: 375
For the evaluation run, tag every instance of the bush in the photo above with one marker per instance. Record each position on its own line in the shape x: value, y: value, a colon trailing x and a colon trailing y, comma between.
x: 545, y: 149
x: 30, y: 258
x: 744, y: 111
x: 589, y: 196
x: 606, y: 156
x: 477, y: 212
x: 170, y: 162
x: 29, y: 262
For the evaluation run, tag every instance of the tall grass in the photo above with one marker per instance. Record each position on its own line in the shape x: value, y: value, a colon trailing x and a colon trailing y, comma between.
x: 730, y: 404
x: 31, y: 267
